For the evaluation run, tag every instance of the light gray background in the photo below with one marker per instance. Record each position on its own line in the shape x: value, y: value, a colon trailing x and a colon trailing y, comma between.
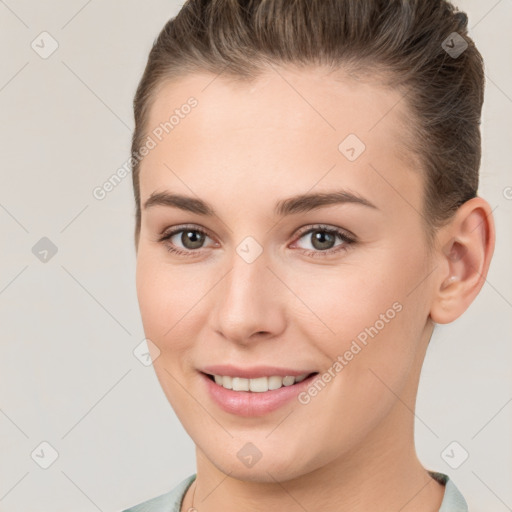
x: 69, y: 326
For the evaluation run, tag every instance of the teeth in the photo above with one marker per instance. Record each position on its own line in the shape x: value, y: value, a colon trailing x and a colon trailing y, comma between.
x: 288, y: 381
x: 240, y: 384
x: 227, y: 382
x: 275, y: 382
x: 258, y: 385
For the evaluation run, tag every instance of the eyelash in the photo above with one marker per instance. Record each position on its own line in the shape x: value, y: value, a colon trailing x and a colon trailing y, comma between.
x: 346, y: 239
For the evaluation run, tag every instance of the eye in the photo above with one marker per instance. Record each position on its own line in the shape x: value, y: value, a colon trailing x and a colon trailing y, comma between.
x: 191, y: 238
x: 324, y: 238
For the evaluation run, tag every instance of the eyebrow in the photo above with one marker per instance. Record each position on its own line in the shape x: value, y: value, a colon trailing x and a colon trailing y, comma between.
x: 292, y: 205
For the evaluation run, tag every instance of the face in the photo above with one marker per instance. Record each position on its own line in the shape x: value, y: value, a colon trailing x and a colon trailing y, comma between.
x: 332, y: 287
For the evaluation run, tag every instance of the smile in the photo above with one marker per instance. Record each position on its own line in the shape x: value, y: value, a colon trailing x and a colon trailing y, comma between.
x: 257, y: 385
x: 267, y: 394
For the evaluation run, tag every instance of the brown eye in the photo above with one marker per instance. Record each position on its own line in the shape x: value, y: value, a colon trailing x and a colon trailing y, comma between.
x: 192, y: 239
x: 323, y: 240
x: 188, y: 240
x: 184, y: 240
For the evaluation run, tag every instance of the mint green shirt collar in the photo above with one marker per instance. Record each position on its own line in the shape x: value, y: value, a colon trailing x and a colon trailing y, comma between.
x: 453, y: 500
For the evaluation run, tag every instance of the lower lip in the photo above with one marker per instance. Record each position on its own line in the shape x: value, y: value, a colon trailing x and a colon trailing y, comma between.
x: 250, y: 403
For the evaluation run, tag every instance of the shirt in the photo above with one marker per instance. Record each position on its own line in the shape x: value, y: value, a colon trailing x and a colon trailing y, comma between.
x: 453, y: 501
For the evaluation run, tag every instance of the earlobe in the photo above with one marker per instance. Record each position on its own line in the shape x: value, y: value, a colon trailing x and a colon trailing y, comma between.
x: 467, y: 245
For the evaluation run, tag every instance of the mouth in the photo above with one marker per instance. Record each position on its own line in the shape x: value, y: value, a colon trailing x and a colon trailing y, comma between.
x: 255, y: 396
x: 259, y: 384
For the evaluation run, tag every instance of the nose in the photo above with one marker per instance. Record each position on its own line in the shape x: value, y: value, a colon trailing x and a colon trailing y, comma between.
x: 249, y: 302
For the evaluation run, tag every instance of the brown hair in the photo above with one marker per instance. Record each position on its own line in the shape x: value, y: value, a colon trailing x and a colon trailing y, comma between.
x: 407, y: 40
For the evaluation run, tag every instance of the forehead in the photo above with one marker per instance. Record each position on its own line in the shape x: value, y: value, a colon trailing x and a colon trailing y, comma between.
x: 287, y: 98
x: 300, y: 122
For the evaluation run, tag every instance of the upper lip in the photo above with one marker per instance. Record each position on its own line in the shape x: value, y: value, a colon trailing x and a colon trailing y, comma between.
x: 252, y: 372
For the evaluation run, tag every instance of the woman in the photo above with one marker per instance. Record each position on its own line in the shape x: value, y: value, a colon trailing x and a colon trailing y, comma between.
x: 306, y: 176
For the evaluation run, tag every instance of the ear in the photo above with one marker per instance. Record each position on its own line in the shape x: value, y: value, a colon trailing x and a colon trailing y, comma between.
x: 465, y: 248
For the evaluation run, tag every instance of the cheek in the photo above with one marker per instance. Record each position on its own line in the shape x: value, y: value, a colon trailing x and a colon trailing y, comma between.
x: 170, y: 301
x: 165, y: 302
x: 347, y: 299
x: 371, y: 354
x: 159, y: 294
x: 372, y: 313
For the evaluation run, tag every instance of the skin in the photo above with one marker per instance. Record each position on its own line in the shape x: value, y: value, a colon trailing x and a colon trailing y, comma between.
x: 242, y: 149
